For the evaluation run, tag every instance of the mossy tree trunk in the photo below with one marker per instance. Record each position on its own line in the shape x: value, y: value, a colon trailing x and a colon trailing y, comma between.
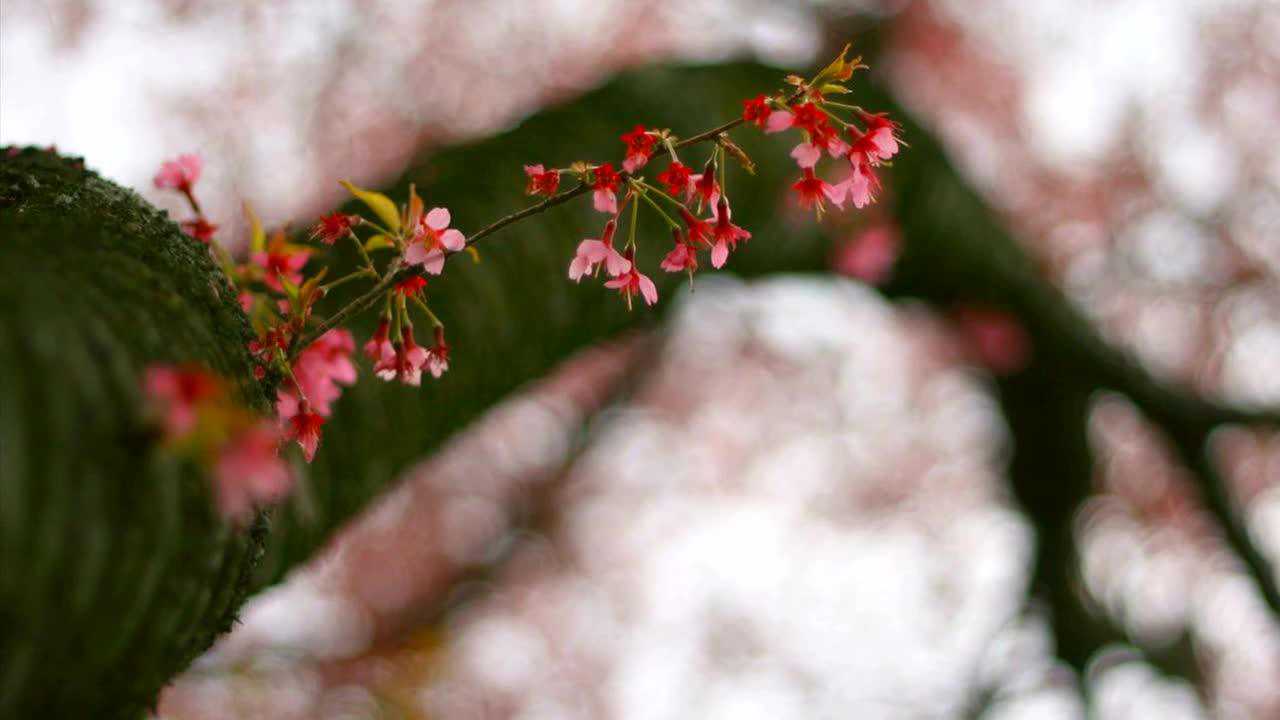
x: 116, y: 571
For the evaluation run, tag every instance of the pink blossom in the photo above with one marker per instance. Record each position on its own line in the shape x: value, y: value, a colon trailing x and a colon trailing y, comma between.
x: 995, y: 339
x: 837, y: 147
x: 806, y: 154
x: 281, y: 260
x: 726, y: 235
x: 778, y: 121
x: 248, y: 471
x: 327, y: 361
x: 177, y: 391
x: 683, y: 257
x: 634, y: 281
x: 862, y: 184
x: 882, y: 133
x: 591, y: 253
x: 405, y: 364
x: 379, y: 346
x: 604, y: 195
x: 870, y: 256
x: 179, y: 174
x: 431, y: 238
x: 438, y: 354
x: 319, y: 370
x: 604, y: 201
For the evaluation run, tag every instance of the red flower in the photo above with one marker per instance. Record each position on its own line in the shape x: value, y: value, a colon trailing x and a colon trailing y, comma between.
x: 541, y: 182
x: 276, y: 338
x: 632, y: 282
x: 304, y: 428
x: 810, y: 118
x: 806, y: 116
x: 199, y: 229
x: 604, y: 197
x: 700, y: 231
x: 678, y: 178
x: 179, y: 174
x: 411, y: 285
x: 333, y: 226
x: 281, y: 261
x: 756, y: 110
x: 704, y: 184
x: 812, y: 189
x: 870, y: 256
x: 727, y: 235
x: 639, y: 148
x: 683, y: 257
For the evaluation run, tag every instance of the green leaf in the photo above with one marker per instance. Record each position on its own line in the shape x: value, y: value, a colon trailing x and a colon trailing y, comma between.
x: 258, y: 237
x: 380, y: 204
x: 378, y: 242
x: 289, y: 288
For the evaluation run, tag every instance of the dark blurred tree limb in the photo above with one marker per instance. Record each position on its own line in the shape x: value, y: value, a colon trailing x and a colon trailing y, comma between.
x: 958, y: 252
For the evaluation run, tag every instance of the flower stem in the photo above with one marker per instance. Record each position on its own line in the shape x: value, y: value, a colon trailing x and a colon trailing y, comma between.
x: 348, y: 278
x: 631, y: 234
x: 435, y: 321
x: 670, y: 223
x: 368, y: 261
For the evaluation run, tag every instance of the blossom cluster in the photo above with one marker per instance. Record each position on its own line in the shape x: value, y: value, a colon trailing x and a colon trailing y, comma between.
x: 695, y: 205
x: 280, y: 281
x: 278, y: 293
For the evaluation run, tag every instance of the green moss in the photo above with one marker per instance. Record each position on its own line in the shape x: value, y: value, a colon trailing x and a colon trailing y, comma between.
x: 116, y: 571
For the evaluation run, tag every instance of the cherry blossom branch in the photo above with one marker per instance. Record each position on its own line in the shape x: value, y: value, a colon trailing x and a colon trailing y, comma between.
x: 314, y: 355
x: 399, y: 271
